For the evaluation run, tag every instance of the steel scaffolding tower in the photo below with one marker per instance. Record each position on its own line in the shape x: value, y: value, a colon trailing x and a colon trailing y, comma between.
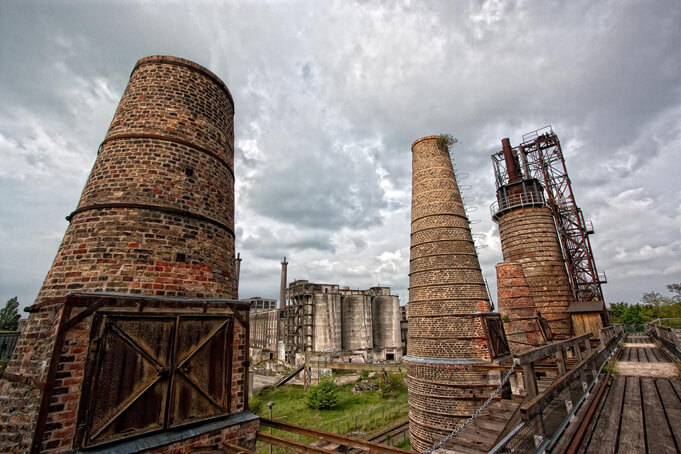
x: 540, y: 156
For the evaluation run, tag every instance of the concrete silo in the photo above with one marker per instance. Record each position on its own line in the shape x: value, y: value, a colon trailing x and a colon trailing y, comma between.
x: 356, y: 321
x: 385, y: 315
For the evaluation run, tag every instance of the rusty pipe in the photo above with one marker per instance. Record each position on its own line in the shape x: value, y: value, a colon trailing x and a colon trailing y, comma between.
x: 511, y: 165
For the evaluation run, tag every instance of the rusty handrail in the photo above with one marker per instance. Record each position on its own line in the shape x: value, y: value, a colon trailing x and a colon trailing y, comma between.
x: 535, y: 406
x: 515, y: 201
x: 350, y: 442
x: 545, y: 351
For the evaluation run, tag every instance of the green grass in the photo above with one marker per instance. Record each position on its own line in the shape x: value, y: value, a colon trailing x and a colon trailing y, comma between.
x: 355, y: 413
x: 404, y: 444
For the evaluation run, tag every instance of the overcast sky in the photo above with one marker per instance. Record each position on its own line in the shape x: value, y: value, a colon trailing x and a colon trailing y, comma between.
x: 329, y: 97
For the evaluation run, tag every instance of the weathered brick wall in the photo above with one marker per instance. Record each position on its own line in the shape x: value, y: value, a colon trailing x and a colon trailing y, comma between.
x: 155, y: 217
x: 517, y: 308
x: 446, y: 288
x: 157, y: 213
x: 528, y: 236
x: 68, y: 381
x: 442, y: 396
x: 23, y: 381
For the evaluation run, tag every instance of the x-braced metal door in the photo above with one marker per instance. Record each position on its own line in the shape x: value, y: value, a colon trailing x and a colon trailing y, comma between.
x: 147, y: 373
x: 496, y: 336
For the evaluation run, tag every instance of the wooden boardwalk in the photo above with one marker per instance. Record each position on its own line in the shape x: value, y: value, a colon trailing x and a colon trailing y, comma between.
x: 639, y: 412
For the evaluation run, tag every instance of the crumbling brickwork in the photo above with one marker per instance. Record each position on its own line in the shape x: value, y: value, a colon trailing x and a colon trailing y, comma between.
x: 528, y: 236
x: 156, y: 217
x: 446, y: 291
x: 517, y: 308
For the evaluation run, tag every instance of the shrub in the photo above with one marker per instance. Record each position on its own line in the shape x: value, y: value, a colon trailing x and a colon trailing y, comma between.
x: 446, y: 140
x: 323, y: 396
x: 364, y: 375
x: 392, y: 385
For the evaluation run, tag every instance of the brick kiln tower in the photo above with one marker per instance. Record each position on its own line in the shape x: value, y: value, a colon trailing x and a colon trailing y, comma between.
x: 156, y: 217
x: 524, y: 328
x: 528, y: 236
x: 450, y: 330
x: 157, y: 212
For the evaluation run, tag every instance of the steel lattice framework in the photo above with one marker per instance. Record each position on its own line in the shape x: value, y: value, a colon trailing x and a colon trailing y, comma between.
x: 540, y: 156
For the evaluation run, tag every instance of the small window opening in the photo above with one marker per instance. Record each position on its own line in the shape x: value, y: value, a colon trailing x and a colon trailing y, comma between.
x: 189, y: 171
x: 181, y: 258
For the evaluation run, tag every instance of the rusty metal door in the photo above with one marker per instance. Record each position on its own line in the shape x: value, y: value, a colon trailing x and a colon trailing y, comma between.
x: 201, y: 380
x: 148, y: 373
x: 496, y: 336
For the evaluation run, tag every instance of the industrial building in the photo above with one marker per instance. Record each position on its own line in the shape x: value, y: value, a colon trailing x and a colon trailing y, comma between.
x: 324, y: 318
x: 342, y: 323
x: 261, y: 304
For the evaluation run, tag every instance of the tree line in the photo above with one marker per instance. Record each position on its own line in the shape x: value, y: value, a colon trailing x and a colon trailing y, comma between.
x: 651, y: 306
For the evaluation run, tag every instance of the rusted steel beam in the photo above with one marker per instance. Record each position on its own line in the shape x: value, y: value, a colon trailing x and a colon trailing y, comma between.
x: 289, y: 444
x: 358, y: 366
x: 542, y: 352
x: 331, y: 437
x: 584, y: 424
x: 235, y: 449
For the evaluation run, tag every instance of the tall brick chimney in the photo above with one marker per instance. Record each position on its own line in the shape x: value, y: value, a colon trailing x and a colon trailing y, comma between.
x: 283, y: 284
x: 448, y: 303
x: 156, y: 217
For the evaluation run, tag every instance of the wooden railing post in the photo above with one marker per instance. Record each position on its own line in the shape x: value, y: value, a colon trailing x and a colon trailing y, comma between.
x: 560, y: 361
x: 578, y: 352
x: 602, y: 335
x: 530, y: 380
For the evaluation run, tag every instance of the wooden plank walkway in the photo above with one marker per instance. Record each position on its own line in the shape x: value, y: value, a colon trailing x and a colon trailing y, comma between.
x: 638, y: 413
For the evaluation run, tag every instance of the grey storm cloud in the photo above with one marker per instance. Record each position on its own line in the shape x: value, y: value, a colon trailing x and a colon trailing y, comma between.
x: 329, y: 97
x: 273, y: 245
